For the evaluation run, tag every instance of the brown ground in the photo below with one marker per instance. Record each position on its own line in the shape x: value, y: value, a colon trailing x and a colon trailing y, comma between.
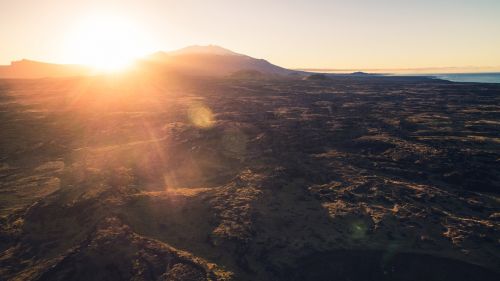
x: 135, y: 178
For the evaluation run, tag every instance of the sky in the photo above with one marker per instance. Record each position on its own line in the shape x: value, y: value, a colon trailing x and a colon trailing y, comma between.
x: 337, y: 34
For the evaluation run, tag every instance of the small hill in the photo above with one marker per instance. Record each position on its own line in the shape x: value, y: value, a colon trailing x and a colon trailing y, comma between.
x: 360, y: 73
x: 317, y: 77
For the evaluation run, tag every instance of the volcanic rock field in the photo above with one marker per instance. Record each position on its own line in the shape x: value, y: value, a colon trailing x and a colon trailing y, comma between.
x: 189, y: 178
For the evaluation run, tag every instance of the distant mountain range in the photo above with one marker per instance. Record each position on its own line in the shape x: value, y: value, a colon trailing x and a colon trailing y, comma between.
x: 194, y: 60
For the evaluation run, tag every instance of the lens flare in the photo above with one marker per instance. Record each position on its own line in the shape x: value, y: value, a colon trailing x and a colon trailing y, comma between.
x: 201, y: 116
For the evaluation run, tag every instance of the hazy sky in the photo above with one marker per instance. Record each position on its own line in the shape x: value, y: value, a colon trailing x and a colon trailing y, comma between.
x: 297, y: 34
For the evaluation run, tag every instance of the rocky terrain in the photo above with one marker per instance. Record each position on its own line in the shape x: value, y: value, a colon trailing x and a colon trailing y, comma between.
x: 347, y: 178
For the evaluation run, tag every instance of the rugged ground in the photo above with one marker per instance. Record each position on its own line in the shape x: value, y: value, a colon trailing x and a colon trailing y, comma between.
x: 349, y: 178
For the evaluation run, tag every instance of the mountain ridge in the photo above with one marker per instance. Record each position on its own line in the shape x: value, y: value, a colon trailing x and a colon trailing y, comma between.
x: 31, y: 69
x: 210, y: 60
x: 201, y: 49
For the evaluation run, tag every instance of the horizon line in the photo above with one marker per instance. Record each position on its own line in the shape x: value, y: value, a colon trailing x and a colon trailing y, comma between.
x: 379, y: 70
x: 405, y: 69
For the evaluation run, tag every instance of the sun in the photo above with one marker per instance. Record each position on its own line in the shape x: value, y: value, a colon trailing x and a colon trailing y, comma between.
x: 107, y: 43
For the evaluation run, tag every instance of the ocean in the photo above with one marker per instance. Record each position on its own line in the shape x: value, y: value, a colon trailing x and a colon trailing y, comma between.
x: 492, y: 77
x: 481, y: 77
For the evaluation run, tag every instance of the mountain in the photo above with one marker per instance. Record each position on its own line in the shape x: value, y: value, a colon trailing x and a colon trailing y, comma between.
x: 193, y: 60
x: 34, y: 69
x: 213, y: 61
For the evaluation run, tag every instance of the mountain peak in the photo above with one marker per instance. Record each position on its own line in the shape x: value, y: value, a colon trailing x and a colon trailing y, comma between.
x: 209, y: 49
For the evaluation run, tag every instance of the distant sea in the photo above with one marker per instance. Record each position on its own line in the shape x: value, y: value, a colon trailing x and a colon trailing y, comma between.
x: 470, y: 77
x: 477, y: 77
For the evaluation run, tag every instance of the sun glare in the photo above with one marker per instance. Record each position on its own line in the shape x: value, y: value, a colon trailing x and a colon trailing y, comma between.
x: 106, y: 43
